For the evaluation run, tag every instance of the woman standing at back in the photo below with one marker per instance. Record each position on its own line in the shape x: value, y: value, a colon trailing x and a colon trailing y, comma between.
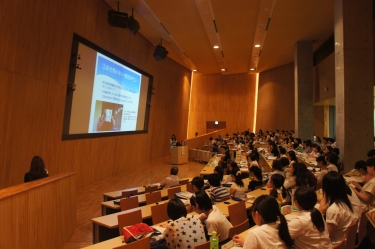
x: 37, y: 170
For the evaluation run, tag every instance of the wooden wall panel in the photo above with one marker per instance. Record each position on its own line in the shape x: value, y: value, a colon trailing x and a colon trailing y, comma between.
x: 39, y: 214
x: 228, y: 98
x: 36, y: 44
x: 276, y: 99
x: 319, y: 121
x: 199, y: 141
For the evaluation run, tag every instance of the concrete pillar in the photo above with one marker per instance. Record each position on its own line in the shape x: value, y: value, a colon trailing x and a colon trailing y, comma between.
x: 354, y: 79
x: 303, y: 90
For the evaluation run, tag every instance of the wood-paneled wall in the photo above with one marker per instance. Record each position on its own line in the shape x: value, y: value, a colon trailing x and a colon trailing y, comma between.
x: 35, y: 53
x: 324, y: 78
x: 227, y: 98
x: 39, y: 214
x: 276, y: 99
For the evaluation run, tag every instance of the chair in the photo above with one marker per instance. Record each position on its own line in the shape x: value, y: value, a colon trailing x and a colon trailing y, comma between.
x: 340, y: 245
x: 159, y: 213
x: 153, y: 197
x: 183, y: 182
x: 237, y: 213
x: 362, y: 227
x: 172, y: 191
x: 351, y: 233
x: 238, y: 229
x: 142, y: 243
x: 205, y: 245
x: 129, y: 219
x: 129, y: 203
x: 189, y: 187
x: 129, y: 192
x: 150, y: 189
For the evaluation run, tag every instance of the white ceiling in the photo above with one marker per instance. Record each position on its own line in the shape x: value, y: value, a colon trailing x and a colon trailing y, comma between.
x: 188, y: 31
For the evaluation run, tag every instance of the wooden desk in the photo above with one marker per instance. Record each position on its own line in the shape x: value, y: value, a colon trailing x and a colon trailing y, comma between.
x: 109, y: 207
x: 118, y: 193
x: 106, y: 227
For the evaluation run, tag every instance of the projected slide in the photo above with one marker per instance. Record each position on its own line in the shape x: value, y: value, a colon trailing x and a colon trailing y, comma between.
x: 115, y: 97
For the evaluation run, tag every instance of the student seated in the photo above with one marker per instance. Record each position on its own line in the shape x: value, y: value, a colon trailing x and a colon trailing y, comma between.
x: 220, y: 172
x: 308, y: 229
x: 278, y: 191
x: 218, y: 192
x: 213, y: 217
x: 238, y: 188
x: 257, y: 178
x: 252, y: 160
x: 37, y: 170
x: 272, y: 230
x: 361, y: 167
x: 197, y: 184
x: 183, y: 230
x: 171, y: 180
x: 322, y: 164
x: 331, y: 159
x: 337, y: 206
x: 367, y: 192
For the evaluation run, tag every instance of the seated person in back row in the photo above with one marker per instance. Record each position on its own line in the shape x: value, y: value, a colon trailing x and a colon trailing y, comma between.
x: 171, y: 180
x: 37, y: 170
x: 218, y: 193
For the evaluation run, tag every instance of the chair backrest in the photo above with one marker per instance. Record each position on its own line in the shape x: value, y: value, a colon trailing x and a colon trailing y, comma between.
x: 129, y: 203
x: 153, y: 197
x: 340, y: 245
x: 150, y: 189
x: 159, y: 213
x: 351, y: 233
x: 237, y: 213
x: 129, y: 219
x: 205, y: 245
x: 362, y: 227
x: 129, y: 192
x: 189, y: 187
x: 183, y: 182
x: 172, y: 191
x: 238, y: 229
x: 142, y: 243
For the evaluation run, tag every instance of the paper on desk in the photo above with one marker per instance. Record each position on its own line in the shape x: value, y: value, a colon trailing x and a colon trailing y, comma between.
x: 159, y: 228
x: 271, y: 157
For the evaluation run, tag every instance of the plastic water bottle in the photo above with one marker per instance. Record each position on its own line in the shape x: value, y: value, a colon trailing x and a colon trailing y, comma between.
x: 214, y: 241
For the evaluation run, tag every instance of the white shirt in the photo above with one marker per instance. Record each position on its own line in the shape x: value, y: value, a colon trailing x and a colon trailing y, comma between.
x: 305, y: 235
x: 170, y: 181
x: 370, y: 188
x: 332, y: 167
x: 216, y: 221
x: 264, y: 236
x: 342, y: 217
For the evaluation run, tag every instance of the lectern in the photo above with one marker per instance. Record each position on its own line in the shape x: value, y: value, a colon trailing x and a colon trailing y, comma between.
x: 179, y: 155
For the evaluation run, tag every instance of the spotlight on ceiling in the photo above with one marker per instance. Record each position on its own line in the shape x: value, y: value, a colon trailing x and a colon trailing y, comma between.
x: 257, y: 46
x: 160, y: 52
x: 216, y: 46
x: 133, y: 25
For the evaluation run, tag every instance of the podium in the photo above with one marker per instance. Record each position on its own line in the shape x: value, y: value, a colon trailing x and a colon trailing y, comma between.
x: 179, y: 155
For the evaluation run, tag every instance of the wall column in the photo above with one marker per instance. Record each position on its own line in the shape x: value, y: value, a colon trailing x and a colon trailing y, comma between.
x: 303, y: 90
x: 354, y: 79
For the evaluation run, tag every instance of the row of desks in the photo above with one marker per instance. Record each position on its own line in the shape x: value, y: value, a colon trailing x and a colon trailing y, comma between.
x: 109, y: 223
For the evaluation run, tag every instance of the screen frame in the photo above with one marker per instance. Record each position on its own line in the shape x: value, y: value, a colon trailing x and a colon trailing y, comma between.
x: 69, y: 92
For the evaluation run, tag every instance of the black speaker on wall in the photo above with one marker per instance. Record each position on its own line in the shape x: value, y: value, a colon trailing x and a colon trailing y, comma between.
x: 133, y: 25
x: 118, y: 19
x: 160, y: 53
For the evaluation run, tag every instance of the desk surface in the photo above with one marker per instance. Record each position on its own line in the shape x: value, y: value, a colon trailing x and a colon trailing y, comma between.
x: 118, y: 193
x: 210, y: 167
x: 141, y: 198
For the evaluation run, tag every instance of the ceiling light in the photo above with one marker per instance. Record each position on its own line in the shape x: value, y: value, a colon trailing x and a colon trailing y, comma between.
x: 194, y: 70
x: 216, y: 46
x: 252, y: 69
x: 257, y: 45
x: 223, y: 69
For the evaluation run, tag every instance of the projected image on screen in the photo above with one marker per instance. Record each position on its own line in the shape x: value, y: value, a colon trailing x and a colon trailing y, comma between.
x: 110, y: 95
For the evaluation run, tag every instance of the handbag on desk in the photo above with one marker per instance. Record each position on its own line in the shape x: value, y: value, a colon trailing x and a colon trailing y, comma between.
x: 135, y: 232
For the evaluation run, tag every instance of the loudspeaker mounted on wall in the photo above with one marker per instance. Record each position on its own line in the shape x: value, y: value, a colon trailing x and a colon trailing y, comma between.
x: 118, y: 19
x: 160, y: 53
x: 133, y: 25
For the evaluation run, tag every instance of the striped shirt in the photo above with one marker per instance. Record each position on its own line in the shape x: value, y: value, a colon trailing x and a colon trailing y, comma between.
x: 219, y: 193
